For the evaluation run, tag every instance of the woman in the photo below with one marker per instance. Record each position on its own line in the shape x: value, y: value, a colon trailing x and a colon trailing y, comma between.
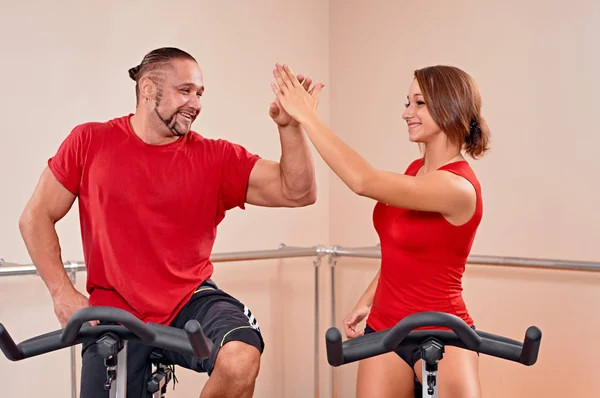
x: 426, y: 219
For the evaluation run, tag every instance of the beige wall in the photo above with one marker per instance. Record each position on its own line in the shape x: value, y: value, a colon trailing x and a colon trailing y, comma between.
x: 533, y: 62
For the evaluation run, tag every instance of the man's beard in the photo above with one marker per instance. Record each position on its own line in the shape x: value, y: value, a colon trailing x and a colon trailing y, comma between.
x: 170, y: 121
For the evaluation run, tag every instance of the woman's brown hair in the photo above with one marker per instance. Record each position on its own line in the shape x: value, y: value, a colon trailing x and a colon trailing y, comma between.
x: 454, y: 102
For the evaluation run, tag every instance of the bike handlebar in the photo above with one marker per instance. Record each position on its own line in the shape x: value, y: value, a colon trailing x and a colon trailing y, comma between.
x: 105, y: 314
x: 458, y: 326
x: 460, y: 335
x: 189, y: 341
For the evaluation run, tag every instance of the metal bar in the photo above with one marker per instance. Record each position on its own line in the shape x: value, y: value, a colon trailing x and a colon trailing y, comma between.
x: 332, y: 264
x: 317, y: 264
x: 283, y: 252
x: 359, y: 252
x: 29, y: 269
x: 12, y: 269
x: 375, y: 252
x: 73, y: 278
x: 73, y: 362
x: 122, y: 376
x: 536, y: 263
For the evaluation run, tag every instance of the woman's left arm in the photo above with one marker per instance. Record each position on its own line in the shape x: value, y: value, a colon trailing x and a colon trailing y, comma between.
x: 439, y: 191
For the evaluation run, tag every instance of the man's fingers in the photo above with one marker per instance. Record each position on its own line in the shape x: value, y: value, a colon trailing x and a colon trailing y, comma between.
x: 273, y: 110
x: 307, y: 83
x: 316, y: 90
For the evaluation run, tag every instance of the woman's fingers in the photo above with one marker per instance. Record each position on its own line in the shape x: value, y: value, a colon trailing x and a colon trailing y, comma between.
x: 285, y: 78
x: 281, y: 85
x: 289, y: 74
x: 276, y: 91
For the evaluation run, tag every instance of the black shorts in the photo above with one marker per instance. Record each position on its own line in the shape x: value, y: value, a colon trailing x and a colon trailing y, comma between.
x: 223, y: 319
x: 409, y: 353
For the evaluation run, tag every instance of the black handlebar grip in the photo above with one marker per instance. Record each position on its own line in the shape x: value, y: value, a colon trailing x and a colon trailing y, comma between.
x: 8, y: 346
x: 201, y: 345
x: 106, y: 314
x: 531, y: 346
x: 333, y: 341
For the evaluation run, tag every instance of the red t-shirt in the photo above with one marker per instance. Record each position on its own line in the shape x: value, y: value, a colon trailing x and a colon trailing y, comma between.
x: 423, y: 258
x: 149, y: 213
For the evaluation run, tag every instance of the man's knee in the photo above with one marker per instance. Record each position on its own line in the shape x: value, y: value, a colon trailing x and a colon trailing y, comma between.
x: 238, y: 362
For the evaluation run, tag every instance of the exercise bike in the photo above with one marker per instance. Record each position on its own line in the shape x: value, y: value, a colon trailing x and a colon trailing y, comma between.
x: 112, y: 344
x: 431, y: 344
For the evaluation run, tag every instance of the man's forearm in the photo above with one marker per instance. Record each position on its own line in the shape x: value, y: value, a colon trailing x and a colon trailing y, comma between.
x: 41, y: 240
x: 296, y: 164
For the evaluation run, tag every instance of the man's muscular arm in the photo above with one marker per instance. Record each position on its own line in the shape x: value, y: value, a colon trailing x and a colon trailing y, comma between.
x: 49, y: 203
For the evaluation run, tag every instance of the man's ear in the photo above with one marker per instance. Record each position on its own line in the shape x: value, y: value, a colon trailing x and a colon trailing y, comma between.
x: 147, y: 88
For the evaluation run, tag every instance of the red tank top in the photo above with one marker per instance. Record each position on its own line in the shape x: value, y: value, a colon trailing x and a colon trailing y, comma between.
x: 423, y: 258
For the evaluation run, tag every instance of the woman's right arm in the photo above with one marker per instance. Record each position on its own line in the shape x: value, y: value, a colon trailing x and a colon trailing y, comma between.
x: 367, y: 298
x: 361, y: 310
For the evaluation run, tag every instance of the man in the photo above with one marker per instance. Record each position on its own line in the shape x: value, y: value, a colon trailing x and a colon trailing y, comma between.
x: 151, y: 193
